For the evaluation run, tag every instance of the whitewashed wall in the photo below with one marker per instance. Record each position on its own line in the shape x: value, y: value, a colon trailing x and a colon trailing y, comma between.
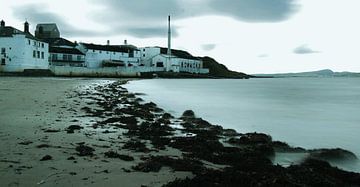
x: 19, y: 54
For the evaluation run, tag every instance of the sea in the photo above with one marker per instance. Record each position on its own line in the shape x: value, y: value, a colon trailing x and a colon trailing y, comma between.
x: 304, y: 112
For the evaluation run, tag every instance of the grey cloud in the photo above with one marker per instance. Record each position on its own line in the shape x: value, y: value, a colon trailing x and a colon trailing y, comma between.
x: 147, y: 32
x: 35, y: 13
x: 208, y: 47
x: 304, y: 49
x: 263, y: 55
x: 122, y: 14
x: 256, y: 10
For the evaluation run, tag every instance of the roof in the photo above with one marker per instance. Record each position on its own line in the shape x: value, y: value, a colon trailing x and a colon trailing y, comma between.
x: 113, y: 48
x: 178, y: 53
x: 47, y: 26
x: 65, y: 50
x: 59, y: 42
x: 11, y: 31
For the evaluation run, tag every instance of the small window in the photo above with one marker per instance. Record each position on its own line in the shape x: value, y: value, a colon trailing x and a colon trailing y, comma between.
x: 42, y: 45
x: 9, y: 48
x: 38, y: 54
x: 9, y: 59
x: 3, y: 61
x: 3, y: 50
x: 99, y: 51
x: 29, y: 42
x: 78, y: 58
x: 34, y: 43
x: 42, y: 55
x: 93, y: 50
x: 114, y: 53
x: 107, y: 52
x: 143, y: 55
x: 34, y: 54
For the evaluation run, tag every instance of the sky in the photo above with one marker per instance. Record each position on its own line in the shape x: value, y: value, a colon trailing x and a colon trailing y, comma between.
x: 251, y: 36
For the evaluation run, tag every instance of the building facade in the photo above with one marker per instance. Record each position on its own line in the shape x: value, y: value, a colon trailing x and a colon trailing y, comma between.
x: 20, y: 50
x: 97, y: 56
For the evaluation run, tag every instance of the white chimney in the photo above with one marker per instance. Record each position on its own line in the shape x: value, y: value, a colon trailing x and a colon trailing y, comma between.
x: 108, y: 42
x: 125, y: 42
x: 169, y: 37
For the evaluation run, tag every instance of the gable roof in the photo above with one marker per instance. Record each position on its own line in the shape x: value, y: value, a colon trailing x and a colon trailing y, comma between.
x: 112, y: 48
x: 65, y: 50
x: 59, y: 42
x: 47, y: 26
x: 11, y: 31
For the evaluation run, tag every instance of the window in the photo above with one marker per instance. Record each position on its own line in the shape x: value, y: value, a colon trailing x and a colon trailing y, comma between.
x: 34, y: 43
x: 9, y: 48
x: 54, y: 57
x: 107, y: 52
x: 42, y: 55
x: 143, y: 55
x: 93, y: 50
x: 42, y: 45
x: 29, y: 42
x: 114, y: 53
x: 3, y: 61
x: 3, y: 50
x: 34, y: 54
x: 38, y: 54
x: 79, y: 58
x: 99, y: 51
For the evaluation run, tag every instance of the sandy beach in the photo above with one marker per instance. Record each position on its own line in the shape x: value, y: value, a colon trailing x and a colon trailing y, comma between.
x: 31, y: 108
x: 93, y: 132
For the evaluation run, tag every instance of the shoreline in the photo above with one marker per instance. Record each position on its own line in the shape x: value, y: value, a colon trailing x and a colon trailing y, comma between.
x: 118, y: 137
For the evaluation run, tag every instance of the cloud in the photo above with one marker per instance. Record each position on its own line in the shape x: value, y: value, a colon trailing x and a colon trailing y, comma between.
x: 304, y: 49
x: 36, y: 13
x: 263, y: 56
x: 148, y: 32
x: 208, y: 47
x: 256, y: 10
x: 136, y: 15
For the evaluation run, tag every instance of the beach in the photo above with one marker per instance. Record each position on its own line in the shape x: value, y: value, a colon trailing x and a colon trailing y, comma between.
x: 93, y: 132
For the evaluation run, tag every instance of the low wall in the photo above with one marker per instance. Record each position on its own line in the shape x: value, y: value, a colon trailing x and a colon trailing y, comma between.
x: 134, y: 71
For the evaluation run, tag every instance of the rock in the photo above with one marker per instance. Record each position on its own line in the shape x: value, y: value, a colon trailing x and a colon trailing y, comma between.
x: 112, y: 154
x: 71, y: 158
x: 255, y: 138
x: 84, y: 150
x: 26, y: 143
x: 52, y: 130
x: 332, y: 154
x: 70, y: 129
x: 230, y: 132
x: 46, y: 157
x: 188, y: 114
x: 136, y: 145
x: 284, y: 147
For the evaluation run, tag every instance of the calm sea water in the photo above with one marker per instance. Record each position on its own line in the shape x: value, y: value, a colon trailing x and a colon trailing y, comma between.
x: 306, y: 112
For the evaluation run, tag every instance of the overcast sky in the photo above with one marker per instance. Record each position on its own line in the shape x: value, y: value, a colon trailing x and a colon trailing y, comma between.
x: 252, y: 36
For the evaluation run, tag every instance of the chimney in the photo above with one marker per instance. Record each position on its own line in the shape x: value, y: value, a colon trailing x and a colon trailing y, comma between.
x: 26, y: 27
x: 2, y: 23
x: 125, y: 42
x: 108, y: 42
x: 169, y: 37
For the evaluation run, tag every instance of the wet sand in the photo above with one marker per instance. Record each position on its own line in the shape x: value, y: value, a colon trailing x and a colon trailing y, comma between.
x: 29, y: 107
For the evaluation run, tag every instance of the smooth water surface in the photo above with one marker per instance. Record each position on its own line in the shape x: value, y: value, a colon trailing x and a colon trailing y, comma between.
x: 306, y: 112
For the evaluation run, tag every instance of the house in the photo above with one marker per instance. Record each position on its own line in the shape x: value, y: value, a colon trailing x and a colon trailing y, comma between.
x: 62, y: 51
x: 177, y: 61
x: 110, y: 55
x: 20, y: 50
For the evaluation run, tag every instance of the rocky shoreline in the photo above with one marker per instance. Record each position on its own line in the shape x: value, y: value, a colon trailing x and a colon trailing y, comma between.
x: 112, y: 137
x: 216, y: 156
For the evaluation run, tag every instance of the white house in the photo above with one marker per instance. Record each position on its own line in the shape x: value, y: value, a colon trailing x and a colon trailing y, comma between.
x: 110, y: 55
x: 177, y: 61
x: 20, y: 50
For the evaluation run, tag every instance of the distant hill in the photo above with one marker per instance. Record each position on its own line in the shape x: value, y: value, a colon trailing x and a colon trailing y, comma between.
x: 320, y: 73
x: 221, y: 71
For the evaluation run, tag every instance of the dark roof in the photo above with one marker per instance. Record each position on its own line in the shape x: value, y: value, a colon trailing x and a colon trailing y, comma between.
x: 178, y: 53
x: 11, y: 31
x: 113, y: 48
x: 59, y: 42
x: 65, y: 50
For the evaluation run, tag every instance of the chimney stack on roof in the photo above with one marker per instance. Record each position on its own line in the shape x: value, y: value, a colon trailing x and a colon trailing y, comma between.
x: 125, y: 42
x: 169, y: 37
x: 2, y: 23
x: 108, y: 42
x: 26, y: 27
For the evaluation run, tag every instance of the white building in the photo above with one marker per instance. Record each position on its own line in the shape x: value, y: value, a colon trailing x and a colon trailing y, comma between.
x: 110, y: 55
x: 21, y: 50
x: 177, y: 61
